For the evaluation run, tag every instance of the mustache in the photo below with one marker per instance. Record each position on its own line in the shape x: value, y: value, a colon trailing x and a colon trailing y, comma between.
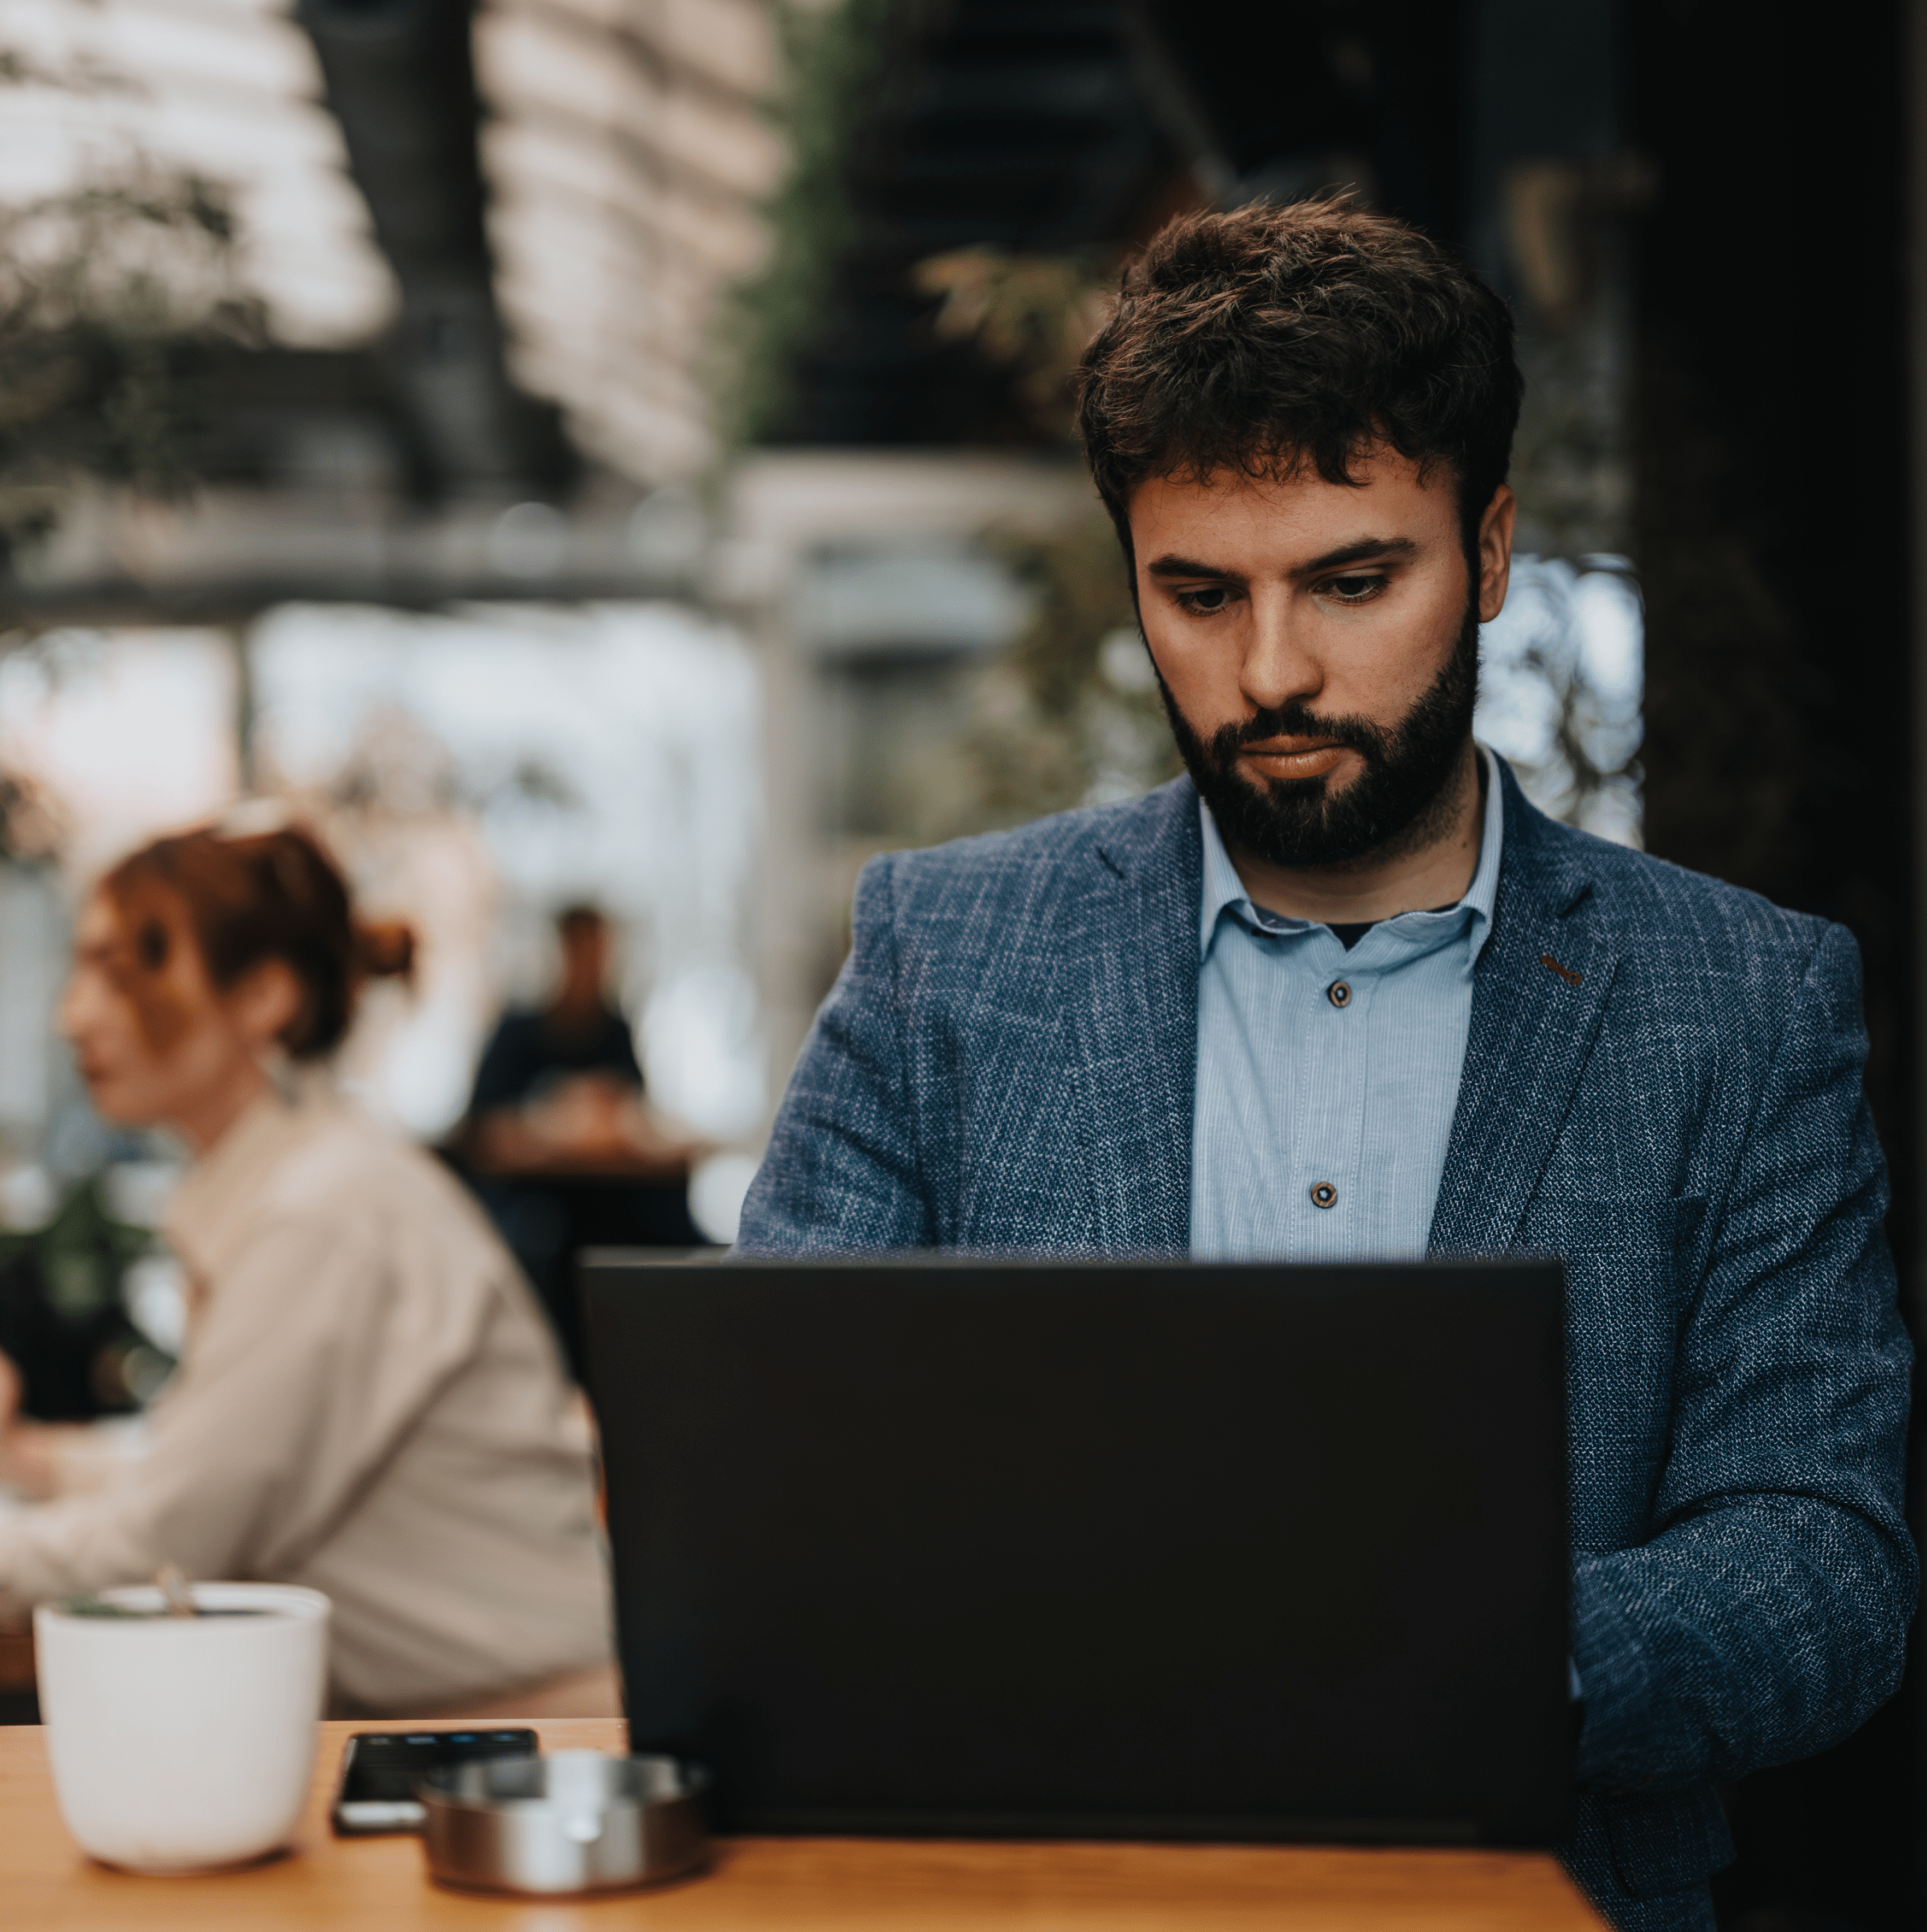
x: 1298, y: 720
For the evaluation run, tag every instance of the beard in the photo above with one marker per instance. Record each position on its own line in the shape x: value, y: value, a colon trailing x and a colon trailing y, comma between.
x: 1392, y: 806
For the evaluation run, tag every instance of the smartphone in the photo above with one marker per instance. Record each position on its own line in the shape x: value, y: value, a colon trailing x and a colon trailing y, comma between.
x: 378, y: 1769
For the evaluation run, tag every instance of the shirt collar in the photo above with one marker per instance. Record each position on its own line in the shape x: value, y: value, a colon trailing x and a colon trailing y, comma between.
x: 222, y: 1191
x: 1224, y: 891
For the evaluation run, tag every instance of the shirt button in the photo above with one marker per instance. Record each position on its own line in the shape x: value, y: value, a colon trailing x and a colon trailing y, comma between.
x: 1338, y: 993
x: 1324, y: 1195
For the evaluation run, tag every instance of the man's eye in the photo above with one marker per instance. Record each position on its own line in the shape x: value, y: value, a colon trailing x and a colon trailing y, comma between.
x: 1202, y: 603
x: 1355, y: 589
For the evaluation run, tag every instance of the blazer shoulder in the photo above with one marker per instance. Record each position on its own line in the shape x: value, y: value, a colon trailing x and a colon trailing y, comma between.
x: 1654, y: 895
x: 1689, y: 934
x: 1069, y: 854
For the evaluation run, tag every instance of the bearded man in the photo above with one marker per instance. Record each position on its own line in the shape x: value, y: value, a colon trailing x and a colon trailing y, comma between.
x: 1341, y: 992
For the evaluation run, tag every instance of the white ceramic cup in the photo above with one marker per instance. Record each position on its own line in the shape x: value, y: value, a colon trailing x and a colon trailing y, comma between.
x: 179, y: 1743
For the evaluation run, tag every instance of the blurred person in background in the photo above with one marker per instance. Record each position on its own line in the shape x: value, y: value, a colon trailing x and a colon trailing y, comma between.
x: 564, y: 1149
x: 369, y: 1402
x: 560, y: 1088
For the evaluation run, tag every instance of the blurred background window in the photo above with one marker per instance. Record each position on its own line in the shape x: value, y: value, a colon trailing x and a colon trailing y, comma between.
x: 478, y: 770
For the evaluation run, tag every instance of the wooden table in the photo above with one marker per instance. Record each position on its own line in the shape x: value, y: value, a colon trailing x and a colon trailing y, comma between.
x: 779, y: 1885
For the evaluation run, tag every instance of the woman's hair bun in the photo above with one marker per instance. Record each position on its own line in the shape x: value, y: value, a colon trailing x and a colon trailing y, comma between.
x: 384, y: 949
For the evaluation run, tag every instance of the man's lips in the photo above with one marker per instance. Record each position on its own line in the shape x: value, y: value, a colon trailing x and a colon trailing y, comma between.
x: 1285, y: 759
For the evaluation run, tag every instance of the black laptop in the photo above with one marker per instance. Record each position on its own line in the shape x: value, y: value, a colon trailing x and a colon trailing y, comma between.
x: 1082, y: 1551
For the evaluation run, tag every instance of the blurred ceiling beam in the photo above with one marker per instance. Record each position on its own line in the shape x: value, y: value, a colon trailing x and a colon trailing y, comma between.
x: 625, y: 151
x: 400, y: 81
x: 230, y: 552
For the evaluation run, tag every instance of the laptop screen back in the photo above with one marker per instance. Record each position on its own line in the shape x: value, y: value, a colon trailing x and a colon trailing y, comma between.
x: 1151, y: 1551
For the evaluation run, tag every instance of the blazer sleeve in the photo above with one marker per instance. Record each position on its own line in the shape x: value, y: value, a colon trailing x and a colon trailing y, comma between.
x: 1767, y: 1617
x: 842, y: 1173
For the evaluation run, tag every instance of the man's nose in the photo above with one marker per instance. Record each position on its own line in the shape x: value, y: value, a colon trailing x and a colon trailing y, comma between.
x: 1279, y: 667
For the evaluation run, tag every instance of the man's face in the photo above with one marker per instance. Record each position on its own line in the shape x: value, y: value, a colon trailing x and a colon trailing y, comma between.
x: 585, y: 950
x: 1318, y: 644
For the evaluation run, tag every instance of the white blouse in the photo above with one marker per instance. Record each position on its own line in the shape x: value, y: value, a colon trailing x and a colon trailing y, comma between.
x: 369, y: 1403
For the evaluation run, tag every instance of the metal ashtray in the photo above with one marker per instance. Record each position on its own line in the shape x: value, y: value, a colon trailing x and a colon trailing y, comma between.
x: 577, y: 1821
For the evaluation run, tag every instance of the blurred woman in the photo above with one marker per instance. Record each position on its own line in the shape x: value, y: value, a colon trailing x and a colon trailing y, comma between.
x: 369, y: 1402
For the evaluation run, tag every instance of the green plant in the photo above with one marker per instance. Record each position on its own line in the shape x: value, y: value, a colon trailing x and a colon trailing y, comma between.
x: 831, y: 56
x: 1030, y: 314
x: 63, y: 1319
x: 104, y: 291
x: 1052, y: 723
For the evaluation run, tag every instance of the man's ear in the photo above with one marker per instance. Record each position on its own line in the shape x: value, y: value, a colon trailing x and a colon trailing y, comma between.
x: 1495, y: 552
x: 263, y: 1002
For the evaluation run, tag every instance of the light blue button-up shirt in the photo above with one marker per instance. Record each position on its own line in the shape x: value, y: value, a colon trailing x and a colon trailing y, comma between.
x: 1327, y: 1080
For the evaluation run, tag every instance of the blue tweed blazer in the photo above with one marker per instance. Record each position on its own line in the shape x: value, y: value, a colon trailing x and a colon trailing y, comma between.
x: 1007, y: 1063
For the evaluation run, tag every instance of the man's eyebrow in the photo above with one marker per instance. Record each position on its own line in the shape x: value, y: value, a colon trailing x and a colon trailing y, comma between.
x: 1363, y: 551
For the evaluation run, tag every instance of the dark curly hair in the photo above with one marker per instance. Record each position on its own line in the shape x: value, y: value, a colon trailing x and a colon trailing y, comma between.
x: 1270, y: 339
x: 244, y: 901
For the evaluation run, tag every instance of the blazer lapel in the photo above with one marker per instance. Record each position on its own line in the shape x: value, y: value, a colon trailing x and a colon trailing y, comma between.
x: 1539, y: 991
x: 1131, y: 993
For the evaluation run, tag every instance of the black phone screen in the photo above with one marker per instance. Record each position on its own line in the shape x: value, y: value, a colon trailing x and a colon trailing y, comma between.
x: 378, y: 1769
